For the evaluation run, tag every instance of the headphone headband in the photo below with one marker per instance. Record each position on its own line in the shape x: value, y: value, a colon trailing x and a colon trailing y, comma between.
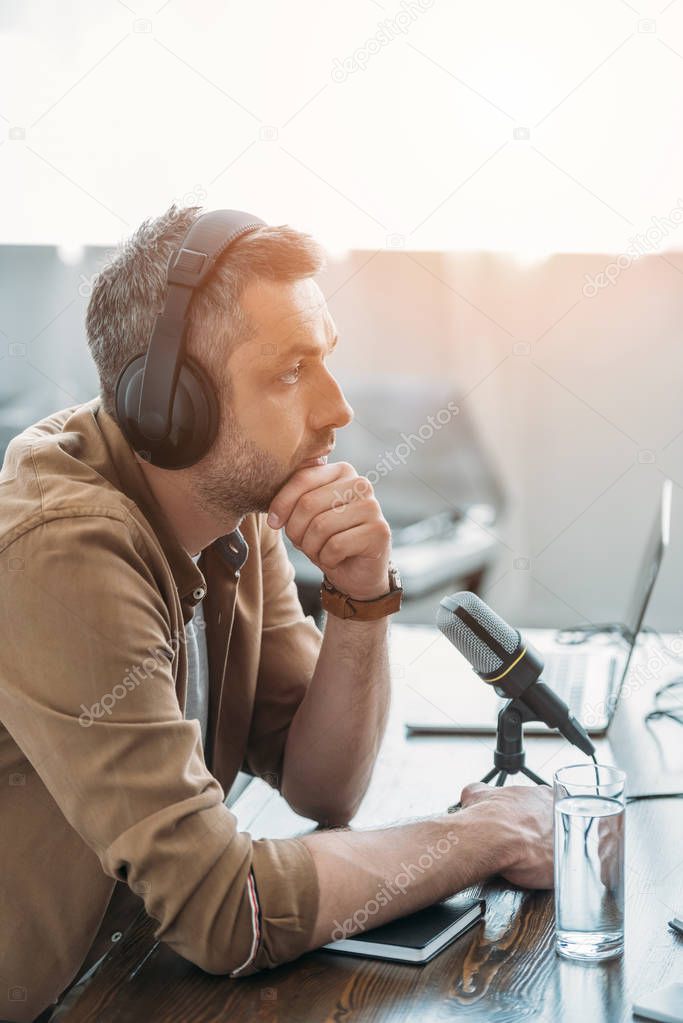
x: 166, y: 406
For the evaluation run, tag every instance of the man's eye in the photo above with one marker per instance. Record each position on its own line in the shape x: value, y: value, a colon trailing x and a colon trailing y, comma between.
x: 291, y: 372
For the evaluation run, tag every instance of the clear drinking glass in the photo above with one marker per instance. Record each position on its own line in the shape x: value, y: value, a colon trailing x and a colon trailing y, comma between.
x: 589, y: 804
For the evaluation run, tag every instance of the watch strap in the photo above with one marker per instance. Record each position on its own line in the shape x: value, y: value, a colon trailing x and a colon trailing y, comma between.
x: 341, y: 605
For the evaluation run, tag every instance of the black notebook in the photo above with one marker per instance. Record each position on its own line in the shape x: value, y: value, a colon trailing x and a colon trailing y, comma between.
x: 416, y: 938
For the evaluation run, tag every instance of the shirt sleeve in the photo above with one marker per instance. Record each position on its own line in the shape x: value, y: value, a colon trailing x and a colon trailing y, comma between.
x: 87, y: 692
x: 290, y: 646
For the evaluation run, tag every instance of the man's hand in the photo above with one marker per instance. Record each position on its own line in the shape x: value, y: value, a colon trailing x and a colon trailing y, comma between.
x: 523, y: 815
x: 331, y: 514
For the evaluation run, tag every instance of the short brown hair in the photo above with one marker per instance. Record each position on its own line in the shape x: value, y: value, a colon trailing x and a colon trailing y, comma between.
x: 131, y: 288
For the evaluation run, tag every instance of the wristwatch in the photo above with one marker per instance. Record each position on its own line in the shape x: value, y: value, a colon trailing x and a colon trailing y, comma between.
x: 343, y: 606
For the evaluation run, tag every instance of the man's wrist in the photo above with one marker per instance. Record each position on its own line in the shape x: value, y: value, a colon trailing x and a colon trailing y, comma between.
x: 354, y: 627
x: 373, y: 593
x: 366, y: 608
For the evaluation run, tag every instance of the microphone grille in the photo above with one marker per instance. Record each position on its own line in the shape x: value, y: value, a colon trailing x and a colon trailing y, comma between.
x: 471, y: 646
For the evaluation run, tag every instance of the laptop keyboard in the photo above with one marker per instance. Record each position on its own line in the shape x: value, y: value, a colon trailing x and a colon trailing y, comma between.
x: 566, y: 675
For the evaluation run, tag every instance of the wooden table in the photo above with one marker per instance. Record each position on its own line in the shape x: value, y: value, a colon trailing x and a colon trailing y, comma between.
x: 504, y: 969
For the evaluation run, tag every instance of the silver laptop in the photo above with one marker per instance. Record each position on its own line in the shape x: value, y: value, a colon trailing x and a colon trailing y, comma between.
x: 585, y: 667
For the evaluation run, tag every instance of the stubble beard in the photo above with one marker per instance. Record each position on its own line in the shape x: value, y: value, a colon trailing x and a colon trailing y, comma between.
x: 239, y: 478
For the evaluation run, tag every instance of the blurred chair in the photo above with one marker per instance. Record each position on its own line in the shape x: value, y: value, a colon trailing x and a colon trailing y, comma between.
x: 436, y: 487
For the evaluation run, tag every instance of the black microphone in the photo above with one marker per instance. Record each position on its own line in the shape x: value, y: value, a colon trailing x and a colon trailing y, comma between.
x: 503, y: 659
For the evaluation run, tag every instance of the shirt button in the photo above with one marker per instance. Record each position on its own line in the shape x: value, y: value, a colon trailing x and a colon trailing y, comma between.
x: 199, y: 593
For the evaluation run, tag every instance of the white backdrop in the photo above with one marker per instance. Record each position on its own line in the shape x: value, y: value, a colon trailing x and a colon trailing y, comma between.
x: 531, y: 127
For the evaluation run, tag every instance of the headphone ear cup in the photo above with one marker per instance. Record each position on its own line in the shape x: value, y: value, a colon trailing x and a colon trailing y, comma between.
x: 194, y: 416
x: 198, y: 414
x: 127, y: 402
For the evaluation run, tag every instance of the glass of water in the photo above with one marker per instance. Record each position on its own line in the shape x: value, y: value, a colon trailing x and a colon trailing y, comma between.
x: 589, y: 802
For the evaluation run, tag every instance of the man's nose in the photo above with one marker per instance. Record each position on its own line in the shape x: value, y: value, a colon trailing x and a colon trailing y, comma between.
x: 332, y: 410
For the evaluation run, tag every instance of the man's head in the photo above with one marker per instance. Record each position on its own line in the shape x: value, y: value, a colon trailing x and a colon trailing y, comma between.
x: 246, y: 328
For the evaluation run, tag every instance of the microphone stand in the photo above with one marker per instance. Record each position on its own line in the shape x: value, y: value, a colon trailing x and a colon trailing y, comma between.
x: 509, y: 755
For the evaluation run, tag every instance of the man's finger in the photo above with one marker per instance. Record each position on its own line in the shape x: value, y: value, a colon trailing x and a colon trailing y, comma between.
x: 367, y: 540
x: 474, y: 792
x: 314, y: 534
x: 321, y: 503
x: 310, y: 477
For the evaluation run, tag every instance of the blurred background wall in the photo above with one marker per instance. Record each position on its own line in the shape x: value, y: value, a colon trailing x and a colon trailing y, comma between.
x: 497, y: 188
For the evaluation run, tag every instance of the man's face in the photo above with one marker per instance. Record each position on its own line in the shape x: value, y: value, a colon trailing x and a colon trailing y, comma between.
x: 285, y: 403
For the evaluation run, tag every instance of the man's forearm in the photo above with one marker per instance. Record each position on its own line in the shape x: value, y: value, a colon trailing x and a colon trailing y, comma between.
x: 335, y: 734
x: 367, y: 878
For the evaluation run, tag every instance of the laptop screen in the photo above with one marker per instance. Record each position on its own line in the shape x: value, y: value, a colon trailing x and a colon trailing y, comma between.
x: 657, y: 543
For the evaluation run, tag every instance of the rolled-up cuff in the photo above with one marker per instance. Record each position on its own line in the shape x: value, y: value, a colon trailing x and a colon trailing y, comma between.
x: 286, y: 884
x: 256, y: 926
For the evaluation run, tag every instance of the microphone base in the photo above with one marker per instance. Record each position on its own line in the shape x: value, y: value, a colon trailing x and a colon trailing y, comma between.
x: 509, y: 756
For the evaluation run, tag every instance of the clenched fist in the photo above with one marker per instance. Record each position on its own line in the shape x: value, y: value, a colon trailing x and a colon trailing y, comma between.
x: 523, y: 819
x: 331, y: 514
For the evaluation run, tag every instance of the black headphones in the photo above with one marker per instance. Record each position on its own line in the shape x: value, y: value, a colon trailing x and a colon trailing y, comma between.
x: 165, y: 403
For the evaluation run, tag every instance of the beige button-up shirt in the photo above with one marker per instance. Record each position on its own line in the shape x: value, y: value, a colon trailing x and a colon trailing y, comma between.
x: 101, y: 777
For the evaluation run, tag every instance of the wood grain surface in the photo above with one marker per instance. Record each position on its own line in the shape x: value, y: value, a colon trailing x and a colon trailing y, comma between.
x: 503, y: 970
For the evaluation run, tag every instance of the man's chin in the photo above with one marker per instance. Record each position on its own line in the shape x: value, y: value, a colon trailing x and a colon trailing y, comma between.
x: 264, y: 501
x: 222, y: 493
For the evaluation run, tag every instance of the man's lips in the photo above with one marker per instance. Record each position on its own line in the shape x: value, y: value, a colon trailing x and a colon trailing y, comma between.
x: 316, y: 459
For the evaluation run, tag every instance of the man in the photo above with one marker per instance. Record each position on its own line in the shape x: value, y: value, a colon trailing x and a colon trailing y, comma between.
x: 122, y: 726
